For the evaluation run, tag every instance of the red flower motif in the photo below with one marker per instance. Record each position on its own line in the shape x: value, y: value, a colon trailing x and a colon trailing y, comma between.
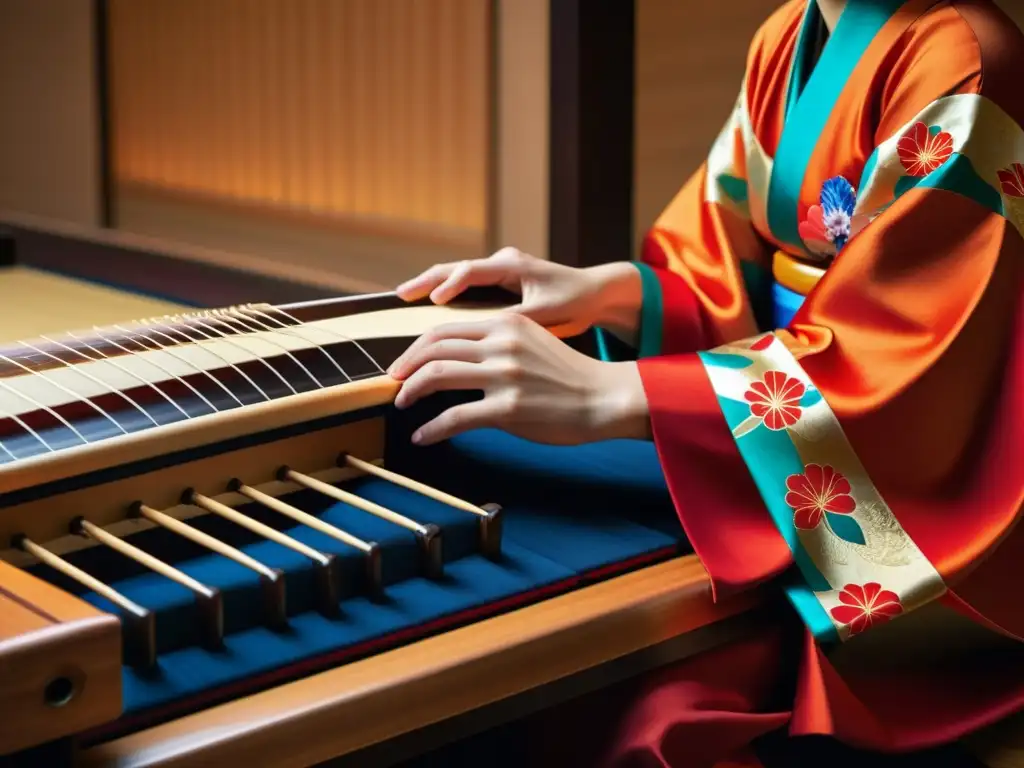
x: 776, y: 400
x: 817, y: 491
x: 865, y: 605
x: 921, y: 151
x: 812, y: 231
x: 1011, y: 180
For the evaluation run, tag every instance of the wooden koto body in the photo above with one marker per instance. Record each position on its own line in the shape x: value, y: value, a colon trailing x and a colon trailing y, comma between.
x: 220, y: 544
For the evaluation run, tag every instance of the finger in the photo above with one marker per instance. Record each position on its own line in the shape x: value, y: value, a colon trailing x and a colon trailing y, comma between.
x: 463, y: 350
x: 470, y: 274
x: 443, y: 375
x: 465, y: 331
x: 458, y: 419
x: 425, y: 282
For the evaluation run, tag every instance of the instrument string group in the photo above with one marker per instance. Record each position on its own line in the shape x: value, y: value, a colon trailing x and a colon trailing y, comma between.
x: 258, y: 332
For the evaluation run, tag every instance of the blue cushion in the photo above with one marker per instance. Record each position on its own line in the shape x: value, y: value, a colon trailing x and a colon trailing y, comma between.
x: 785, y: 304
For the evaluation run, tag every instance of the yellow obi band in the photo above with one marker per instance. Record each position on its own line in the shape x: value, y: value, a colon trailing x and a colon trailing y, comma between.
x: 795, y: 275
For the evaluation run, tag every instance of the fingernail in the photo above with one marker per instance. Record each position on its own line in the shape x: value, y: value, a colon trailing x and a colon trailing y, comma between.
x: 417, y: 437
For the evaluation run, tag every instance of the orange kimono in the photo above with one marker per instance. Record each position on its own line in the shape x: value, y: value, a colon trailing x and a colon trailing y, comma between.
x: 832, y: 345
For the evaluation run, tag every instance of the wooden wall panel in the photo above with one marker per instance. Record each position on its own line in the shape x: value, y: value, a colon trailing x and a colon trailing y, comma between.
x: 520, y: 200
x: 1014, y: 9
x: 49, y: 160
x: 354, y: 111
x: 690, y: 61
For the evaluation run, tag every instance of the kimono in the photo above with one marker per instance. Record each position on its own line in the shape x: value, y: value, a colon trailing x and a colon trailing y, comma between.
x: 832, y: 347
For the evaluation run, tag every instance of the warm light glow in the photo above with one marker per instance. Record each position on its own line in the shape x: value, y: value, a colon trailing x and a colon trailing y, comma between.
x: 351, y: 109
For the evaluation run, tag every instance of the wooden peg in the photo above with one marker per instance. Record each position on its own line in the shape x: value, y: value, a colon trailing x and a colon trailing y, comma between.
x: 489, y: 515
x: 327, y: 567
x: 209, y: 601
x: 272, y: 582
x: 428, y: 536
x: 372, y: 550
x: 138, y: 624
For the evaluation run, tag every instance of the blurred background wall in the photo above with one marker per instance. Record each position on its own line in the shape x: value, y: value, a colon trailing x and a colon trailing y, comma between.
x: 365, y: 138
x: 285, y: 125
x: 48, y: 130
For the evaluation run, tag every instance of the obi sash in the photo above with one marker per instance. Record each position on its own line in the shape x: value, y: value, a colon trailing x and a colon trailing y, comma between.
x: 792, y: 280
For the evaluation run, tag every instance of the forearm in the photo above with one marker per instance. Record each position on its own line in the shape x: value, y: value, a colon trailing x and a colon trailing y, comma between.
x: 620, y: 297
x: 652, y: 309
x: 618, y: 409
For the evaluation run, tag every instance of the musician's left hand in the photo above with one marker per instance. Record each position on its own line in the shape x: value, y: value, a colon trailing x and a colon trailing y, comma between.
x: 534, y: 385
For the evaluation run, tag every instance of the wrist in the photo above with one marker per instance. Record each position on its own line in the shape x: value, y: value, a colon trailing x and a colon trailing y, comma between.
x: 619, y: 295
x: 618, y: 407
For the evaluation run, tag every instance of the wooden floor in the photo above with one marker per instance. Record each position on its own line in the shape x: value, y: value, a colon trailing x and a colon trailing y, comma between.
x: 34, y: 303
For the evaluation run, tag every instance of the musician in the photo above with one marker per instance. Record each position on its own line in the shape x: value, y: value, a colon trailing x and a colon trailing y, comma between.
x: 828, y: 330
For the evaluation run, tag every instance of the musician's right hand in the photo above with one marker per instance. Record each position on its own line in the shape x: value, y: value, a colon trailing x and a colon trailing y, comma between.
x: 552, y: 295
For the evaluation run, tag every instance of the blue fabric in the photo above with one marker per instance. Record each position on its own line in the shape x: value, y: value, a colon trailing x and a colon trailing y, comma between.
x: 569, y: 511
x: 809, y: 108
x: 785, y: 304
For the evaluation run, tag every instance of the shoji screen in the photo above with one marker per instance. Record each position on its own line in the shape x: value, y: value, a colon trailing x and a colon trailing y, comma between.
x: 353, y: 133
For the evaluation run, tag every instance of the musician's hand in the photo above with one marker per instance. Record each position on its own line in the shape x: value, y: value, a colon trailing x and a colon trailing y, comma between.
x: 554, y: 295
x: 534, y: 385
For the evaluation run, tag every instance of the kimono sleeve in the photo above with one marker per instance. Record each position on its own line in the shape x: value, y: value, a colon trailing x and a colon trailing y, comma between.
x: 703, y: 265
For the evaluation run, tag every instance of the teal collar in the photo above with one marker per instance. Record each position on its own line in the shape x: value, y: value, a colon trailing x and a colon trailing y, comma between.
x: 809, y: 44
x: 821, y: 66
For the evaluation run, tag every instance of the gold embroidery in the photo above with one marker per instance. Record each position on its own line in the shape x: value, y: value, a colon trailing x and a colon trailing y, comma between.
x: 886, y: 542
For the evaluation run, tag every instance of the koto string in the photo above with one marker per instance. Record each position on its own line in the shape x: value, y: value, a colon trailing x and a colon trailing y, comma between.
x: 233, y: 340
x: 93, y: 379
x: 223, y: 316
x: 171, y: 350
x: 233, y: 314
x: 111, y: 361
x: 75, y: 395
x: 4, y: 415
x: 156, y: 365
x: 216, y: 354
x: 337, y: 335
x: 36, y: 404
x: 283, y: 328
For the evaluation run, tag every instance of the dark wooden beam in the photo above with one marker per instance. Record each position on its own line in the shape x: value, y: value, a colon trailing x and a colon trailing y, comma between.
x: 591, y: 183
x: 148, y: 267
